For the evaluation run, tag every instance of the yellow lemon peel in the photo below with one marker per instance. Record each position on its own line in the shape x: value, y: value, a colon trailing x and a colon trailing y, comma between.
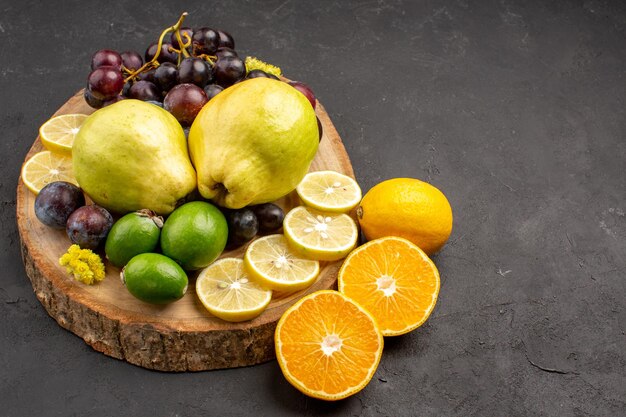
x: 85, y: 265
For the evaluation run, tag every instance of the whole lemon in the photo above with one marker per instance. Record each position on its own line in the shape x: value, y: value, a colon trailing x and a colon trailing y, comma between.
x: 408, y: 208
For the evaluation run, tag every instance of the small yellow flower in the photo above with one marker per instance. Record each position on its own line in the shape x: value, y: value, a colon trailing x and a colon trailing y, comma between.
x: 253, y: 63
x: 83, y: 264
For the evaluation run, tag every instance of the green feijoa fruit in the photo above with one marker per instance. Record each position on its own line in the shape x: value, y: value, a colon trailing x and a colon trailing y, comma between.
x: 194, y: 235
x: 154, y: 278
x: 131, y: 235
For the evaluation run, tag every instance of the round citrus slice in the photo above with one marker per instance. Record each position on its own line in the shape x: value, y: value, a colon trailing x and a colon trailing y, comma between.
x: 58, y: 133
x: 318, y: 235
x: 225, y: 289
x: 46, y: 167
x: 328, y: 346
x: 271, y: 262
x: 394, y: 280
x: 329, y: 191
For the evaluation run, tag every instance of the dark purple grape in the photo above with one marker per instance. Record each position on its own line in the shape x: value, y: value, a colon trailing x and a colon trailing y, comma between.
x: 183, y: 31
x: 184, y: 102
x: 144, y: 90
x: 56, y: 202
x: 304, y: 89
x: 166, y: 76
x: 272, y: 76
x: 224, y: 52
x: 156, y: 103
x: 165, y: 56
x: 212, y: 90
x: 205, y: 41
x: 126, y: 88
x: 147, y: 76
x: 113, y: 100
x: 320, y: 131
x: 227, y: 71
x: 131, y: 60
x: 88, y: 226
x: 96, y: 103
x: 243, y: 225
x: 270, y: 217
x: 226, y: 39
x: 105, y: 83
x: 106, y: 58
x: 194, y: 71
x: 257, y: 73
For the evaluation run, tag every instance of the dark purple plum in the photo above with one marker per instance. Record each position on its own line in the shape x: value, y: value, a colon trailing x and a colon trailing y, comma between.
x: 106, y: 58
x: 243, y: 225
x: 229, y: 70
x: 270, y: 217
x: 184, y: 102
x: 56, y: 202
x: 88, y: 226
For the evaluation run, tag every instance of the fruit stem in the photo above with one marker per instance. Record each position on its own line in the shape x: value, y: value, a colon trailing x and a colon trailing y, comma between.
x: 154, y: 61
x: 209, y: 58
x: 183, y: 45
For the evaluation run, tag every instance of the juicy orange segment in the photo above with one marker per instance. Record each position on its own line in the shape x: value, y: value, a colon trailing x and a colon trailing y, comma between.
x: 394, y: 280
x: 328, y: 346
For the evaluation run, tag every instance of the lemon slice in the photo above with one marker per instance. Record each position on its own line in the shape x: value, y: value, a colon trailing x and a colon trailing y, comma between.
x: 271, y: 261
x: 225, y: 289
x: 46, y: 167
x: 329, y: 191
x: 58, y: 133
x: 319, y: 235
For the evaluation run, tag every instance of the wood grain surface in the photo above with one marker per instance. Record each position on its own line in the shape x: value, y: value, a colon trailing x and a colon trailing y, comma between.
x: 181, y: 336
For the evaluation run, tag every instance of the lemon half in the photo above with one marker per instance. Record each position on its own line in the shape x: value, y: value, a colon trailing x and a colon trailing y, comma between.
x: 227, y: 292
x: 58, y: 133
x: 320, y: 235
x: 329, y: 191
x: 272, y: 262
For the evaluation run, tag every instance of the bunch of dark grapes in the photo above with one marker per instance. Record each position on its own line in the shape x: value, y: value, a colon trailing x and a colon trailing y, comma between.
x: 190, y: 68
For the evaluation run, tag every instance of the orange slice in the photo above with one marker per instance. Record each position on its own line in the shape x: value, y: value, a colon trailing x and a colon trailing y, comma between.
x: 394, y: 280
x: 328, y: 346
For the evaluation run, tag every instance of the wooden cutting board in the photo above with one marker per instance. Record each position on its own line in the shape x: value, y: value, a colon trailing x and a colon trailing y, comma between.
x: 181, y: 336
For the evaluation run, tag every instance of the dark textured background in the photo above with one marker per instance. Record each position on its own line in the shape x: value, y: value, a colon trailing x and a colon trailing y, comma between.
x: 515, y: 110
